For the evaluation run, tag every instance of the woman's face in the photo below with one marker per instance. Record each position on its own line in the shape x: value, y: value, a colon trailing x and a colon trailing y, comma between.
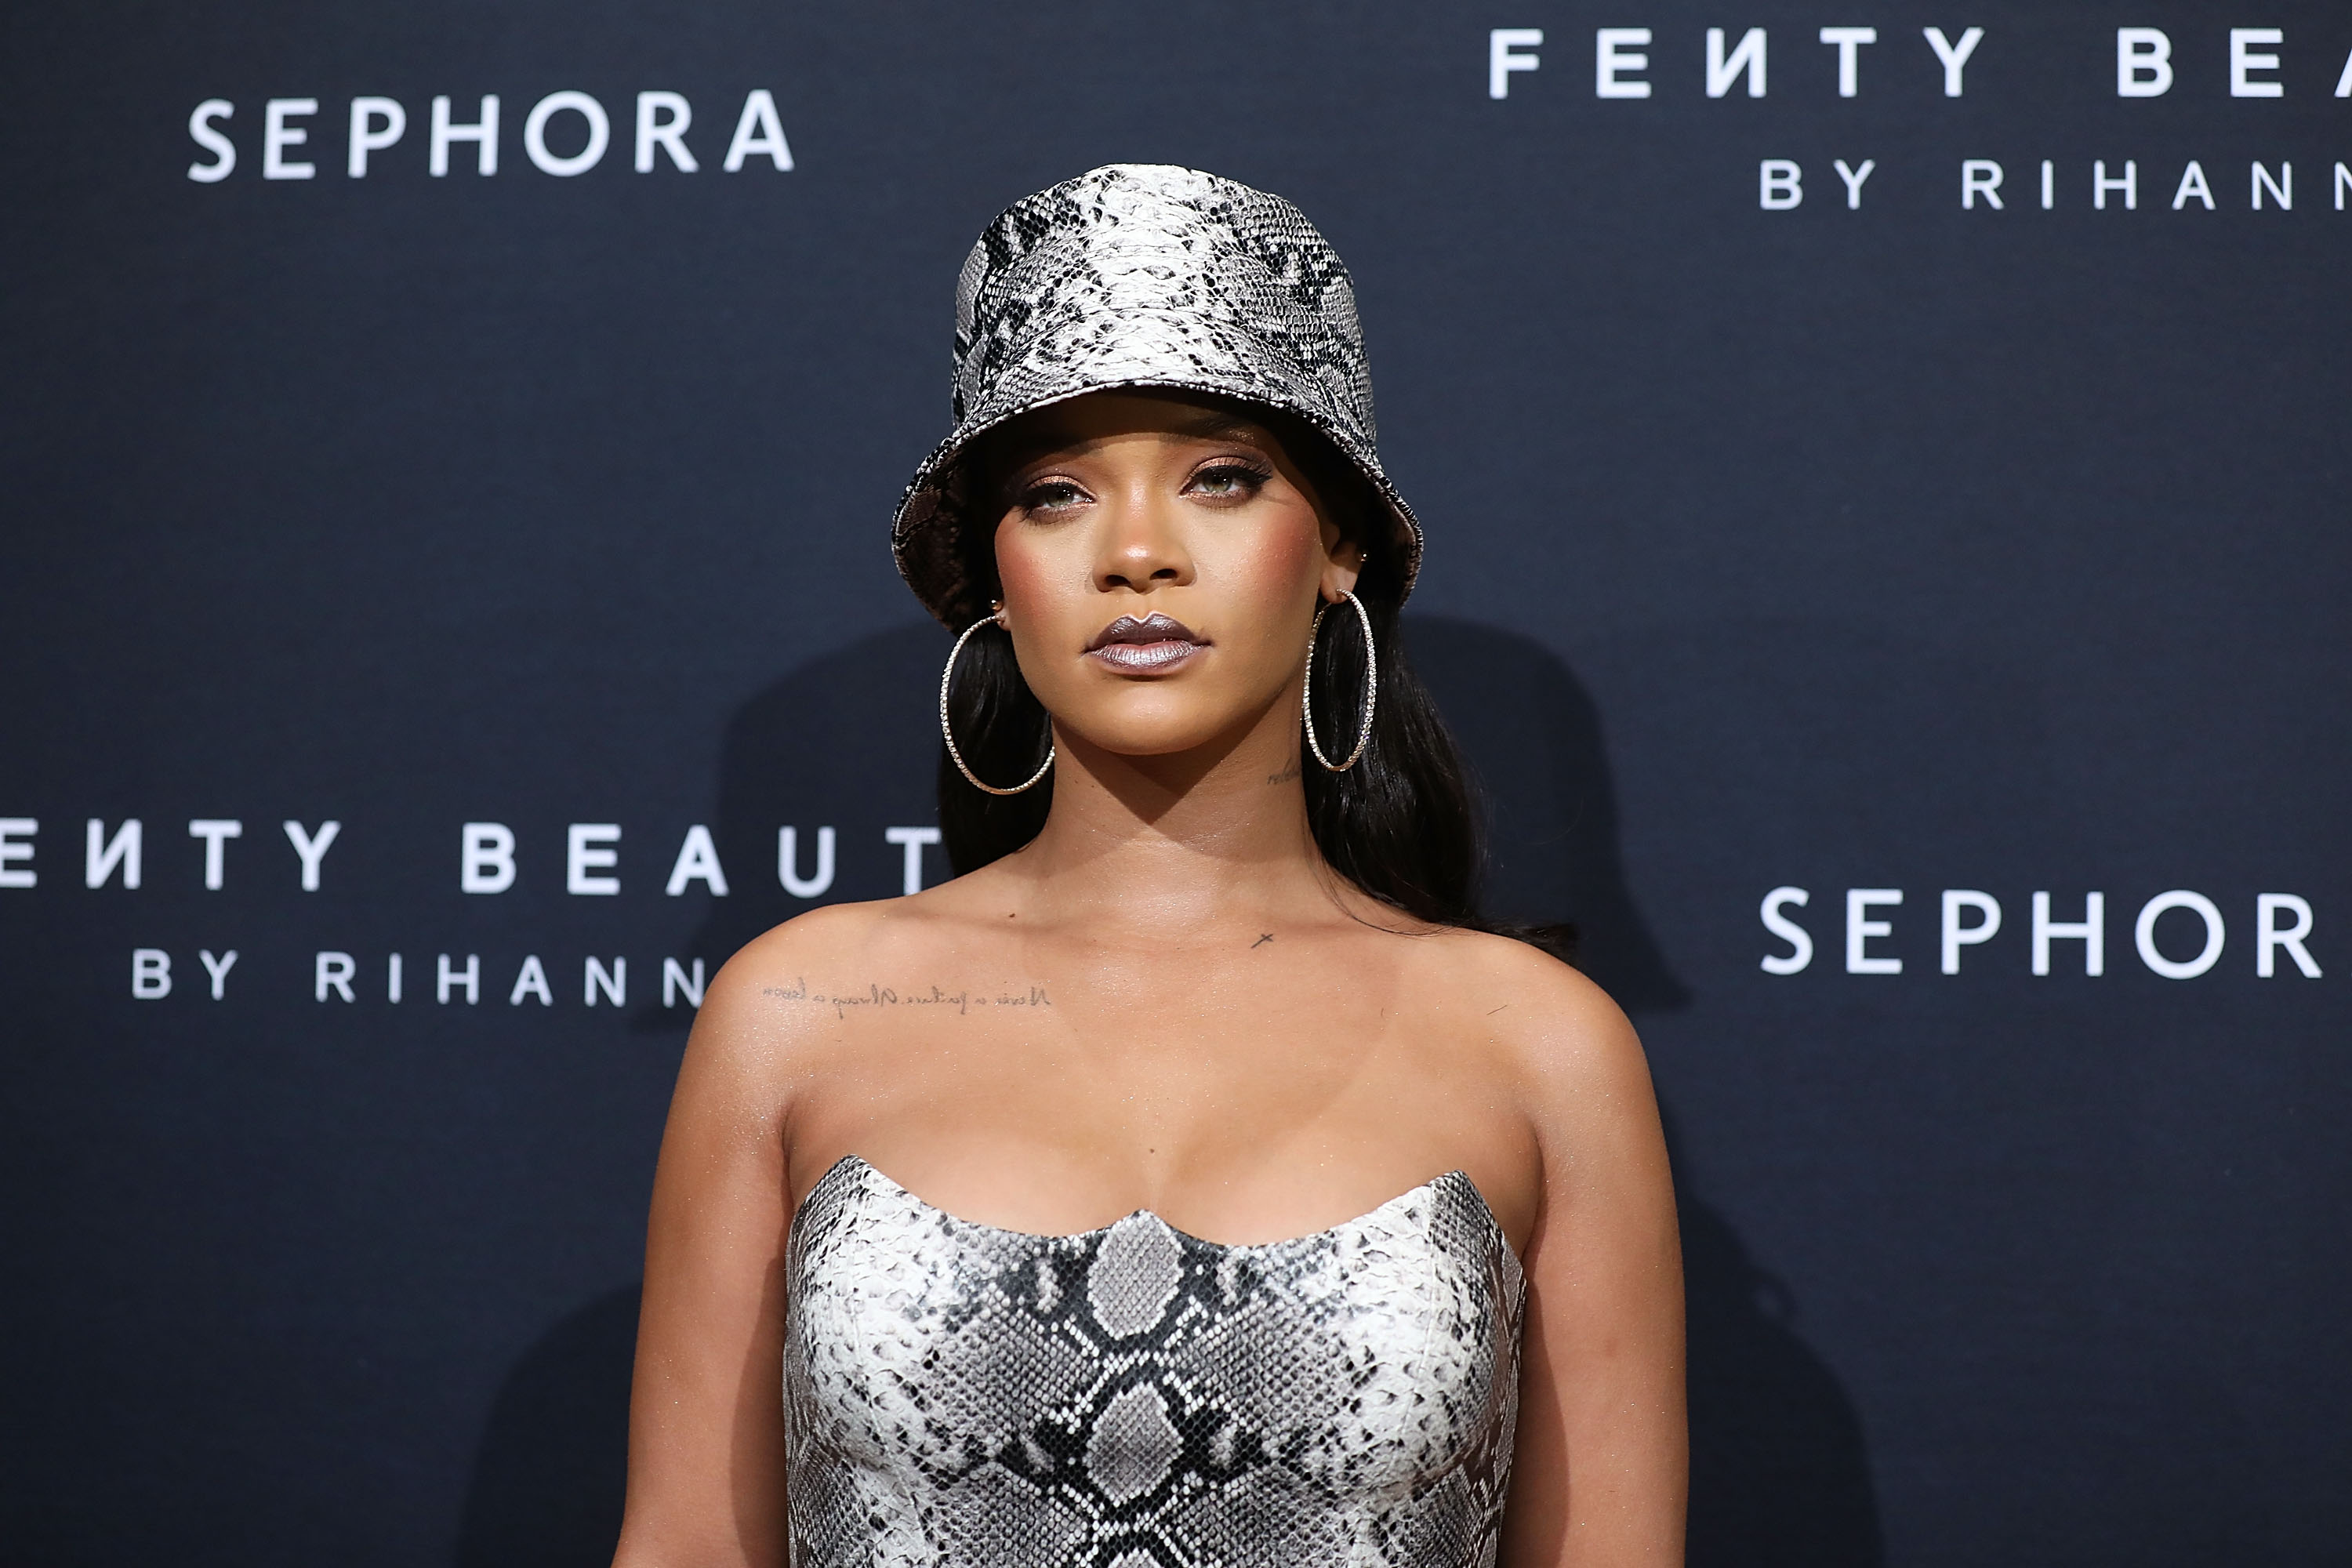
x: 1161, y: 560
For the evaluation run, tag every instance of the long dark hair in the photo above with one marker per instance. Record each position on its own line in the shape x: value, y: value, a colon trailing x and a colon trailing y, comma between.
x: 1404, y: 824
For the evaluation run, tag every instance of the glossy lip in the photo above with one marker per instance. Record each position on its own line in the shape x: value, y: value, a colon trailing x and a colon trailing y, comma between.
x: 1151, y: 646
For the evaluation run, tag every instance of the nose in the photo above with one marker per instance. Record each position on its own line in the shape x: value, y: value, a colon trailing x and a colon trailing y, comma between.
x: 1142, y: 545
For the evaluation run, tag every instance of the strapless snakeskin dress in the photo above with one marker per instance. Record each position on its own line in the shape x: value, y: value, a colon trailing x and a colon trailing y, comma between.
x: 1135, y: 1397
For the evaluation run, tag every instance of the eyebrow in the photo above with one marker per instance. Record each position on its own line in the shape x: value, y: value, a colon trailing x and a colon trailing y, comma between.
x: 1217, y: 428
x: 1211, y: 423
x: 1202, y: 425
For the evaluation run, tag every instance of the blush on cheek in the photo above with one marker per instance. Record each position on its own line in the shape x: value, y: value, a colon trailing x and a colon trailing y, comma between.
x: 1276, y: 564
x: 1292, y: 547
x: 1050, y: 604
x: 1026, y: 574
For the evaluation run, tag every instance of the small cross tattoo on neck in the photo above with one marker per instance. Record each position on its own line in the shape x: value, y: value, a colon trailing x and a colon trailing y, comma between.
x: 1261, y: 942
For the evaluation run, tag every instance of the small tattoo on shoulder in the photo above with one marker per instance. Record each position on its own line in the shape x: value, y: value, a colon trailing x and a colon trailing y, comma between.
x: 961, y: 1000
x: 1261, y: 942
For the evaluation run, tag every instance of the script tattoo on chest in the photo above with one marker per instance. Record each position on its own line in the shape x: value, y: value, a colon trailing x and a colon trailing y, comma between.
x: 961, y: 1001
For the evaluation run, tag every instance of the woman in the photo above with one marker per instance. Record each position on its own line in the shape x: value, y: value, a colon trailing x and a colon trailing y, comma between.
x: 1195, y: 1179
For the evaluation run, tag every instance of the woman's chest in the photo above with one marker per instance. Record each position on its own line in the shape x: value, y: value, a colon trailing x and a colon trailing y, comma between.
x: 1246, y: 1135
x: 1051, y: 1087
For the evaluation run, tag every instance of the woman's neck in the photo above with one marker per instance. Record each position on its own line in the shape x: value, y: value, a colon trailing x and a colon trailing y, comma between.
x: 1198, y: 837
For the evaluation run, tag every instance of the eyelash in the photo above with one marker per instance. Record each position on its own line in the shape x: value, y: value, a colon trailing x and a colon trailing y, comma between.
x: 1250, y: 475
x: 1037, y: 496
x: 1249, y: 478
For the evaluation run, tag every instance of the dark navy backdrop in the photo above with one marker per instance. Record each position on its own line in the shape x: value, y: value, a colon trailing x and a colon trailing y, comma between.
x: 1910, y: 546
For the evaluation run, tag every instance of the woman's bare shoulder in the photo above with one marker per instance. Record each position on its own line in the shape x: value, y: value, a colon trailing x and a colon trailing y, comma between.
x: 1555, y: 1032
x: 1575, y: 1069
x: 766, y: 1016
x: 783, y: 989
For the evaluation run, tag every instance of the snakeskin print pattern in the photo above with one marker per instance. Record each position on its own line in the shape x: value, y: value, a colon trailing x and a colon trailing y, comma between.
x: 1135, y: 1397
x: 1143, y: 275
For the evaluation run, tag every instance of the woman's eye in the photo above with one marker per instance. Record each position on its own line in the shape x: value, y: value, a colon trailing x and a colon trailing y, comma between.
x: 1228, y: 479
x: 1051, y: 494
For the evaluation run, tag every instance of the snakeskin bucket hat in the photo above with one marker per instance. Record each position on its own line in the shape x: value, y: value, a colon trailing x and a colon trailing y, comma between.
x: 1142, y: 275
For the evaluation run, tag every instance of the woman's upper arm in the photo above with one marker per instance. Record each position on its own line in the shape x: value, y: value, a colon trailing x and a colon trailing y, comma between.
x: 706, y: 1419
x: 1602, y: 1474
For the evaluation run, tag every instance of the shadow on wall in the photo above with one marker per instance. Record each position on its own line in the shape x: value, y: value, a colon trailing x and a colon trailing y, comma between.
x: 1779, y: 1472
x: 548, y: 1482
x: 1533, y: 739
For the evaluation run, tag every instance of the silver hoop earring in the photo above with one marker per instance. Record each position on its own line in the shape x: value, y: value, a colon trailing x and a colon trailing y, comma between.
x: 955, y: 753
x: 1371, y: 686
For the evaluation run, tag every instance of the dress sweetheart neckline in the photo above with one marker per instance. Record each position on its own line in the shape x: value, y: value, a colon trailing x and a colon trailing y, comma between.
x: 876, y: 1174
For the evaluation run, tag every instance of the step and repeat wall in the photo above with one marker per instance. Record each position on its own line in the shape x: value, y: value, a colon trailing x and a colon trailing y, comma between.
x: 1886, y: 478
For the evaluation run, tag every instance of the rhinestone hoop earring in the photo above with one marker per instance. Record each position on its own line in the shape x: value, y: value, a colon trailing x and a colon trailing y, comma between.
x: 947, y: 733
x: 1371, y: 686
